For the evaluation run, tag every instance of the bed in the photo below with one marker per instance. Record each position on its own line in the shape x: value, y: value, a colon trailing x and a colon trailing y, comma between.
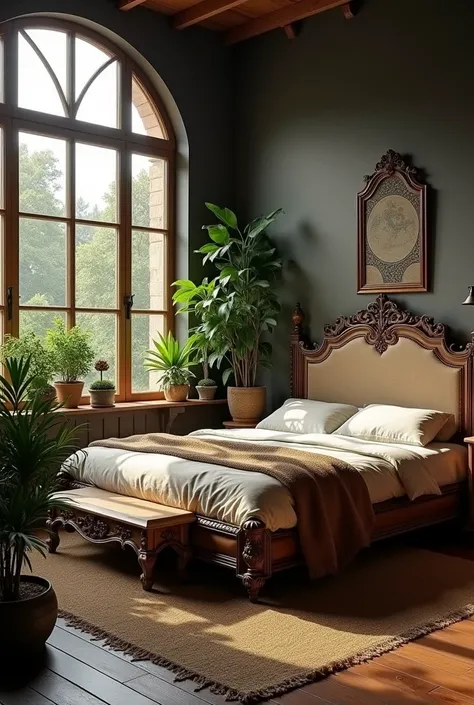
x: 380, y: 355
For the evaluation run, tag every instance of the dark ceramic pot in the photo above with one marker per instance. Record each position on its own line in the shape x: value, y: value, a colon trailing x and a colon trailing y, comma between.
x: 25, y: 625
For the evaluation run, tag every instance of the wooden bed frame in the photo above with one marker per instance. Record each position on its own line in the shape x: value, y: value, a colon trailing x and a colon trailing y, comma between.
x: 252, y: 550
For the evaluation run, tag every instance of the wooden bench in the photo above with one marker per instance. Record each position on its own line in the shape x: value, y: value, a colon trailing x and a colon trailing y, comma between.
x: 103, y: 517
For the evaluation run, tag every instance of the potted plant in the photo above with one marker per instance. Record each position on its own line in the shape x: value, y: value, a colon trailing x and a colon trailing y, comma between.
x: 174, y: 361
x: 238, y: 307
x: 206, y: 388
x: 31, y: 346
x: 34, y: 441
x: 72, y: 356
x: 102, y: 391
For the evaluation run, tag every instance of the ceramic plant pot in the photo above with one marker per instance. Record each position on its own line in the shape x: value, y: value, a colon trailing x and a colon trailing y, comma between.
x: 179, y: 392
x: 25, y: 625
x: 206, y: 393
x: 246, y: 404
x: 101, y: 398
x: 69, y: 393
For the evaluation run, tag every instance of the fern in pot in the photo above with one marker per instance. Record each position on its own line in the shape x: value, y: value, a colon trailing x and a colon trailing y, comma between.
x: 72, y: 355
x: 102, y: 391
x: 238, y: 306
x: 34, y: 441
x: 173, y: 362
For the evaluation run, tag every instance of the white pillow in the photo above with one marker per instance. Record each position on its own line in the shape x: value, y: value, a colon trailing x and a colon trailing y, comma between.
x: 395, y: 424
x: 308, y: 416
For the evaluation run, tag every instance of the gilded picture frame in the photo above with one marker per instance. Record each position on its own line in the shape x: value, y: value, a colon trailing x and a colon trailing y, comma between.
x: 392, y: 229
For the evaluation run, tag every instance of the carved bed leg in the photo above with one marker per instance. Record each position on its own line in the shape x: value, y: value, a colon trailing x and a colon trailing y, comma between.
x: 256, y: 557
x: 147, y: 560
x: 53, y: 540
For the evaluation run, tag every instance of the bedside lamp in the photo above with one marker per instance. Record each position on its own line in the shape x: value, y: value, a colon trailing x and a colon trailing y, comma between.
x: 470, y: 298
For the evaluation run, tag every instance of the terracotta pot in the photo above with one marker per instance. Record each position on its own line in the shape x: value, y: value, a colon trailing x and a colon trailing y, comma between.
x: 69, y: 393
x: 25, y: 625
x: 101, y: 398
x: 179, y: 392
x: 206, y: 393
x: 246, y: 404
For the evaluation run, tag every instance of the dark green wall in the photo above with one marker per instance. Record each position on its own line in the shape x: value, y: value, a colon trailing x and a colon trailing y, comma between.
x: 315, y: 115
x: 195, y: 67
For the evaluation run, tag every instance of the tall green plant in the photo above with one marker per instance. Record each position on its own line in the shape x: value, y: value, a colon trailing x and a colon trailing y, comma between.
x: 34, y: 441
x: 238, y: 306
x: 71, y: 351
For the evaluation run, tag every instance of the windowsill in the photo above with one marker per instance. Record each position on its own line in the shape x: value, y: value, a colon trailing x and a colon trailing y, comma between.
x: 134, y: 406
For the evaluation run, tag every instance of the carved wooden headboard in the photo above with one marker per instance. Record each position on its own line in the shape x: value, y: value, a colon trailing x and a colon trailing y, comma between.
x: 384, y: 354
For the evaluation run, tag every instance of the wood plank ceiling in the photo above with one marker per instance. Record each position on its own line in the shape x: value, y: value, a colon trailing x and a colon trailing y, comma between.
x: 239, y: 20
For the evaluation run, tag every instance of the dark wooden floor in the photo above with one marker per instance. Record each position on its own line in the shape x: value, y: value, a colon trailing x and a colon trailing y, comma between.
x: 436, y: 669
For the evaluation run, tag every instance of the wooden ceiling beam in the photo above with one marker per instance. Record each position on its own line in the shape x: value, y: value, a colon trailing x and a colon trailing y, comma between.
x: 203, y: 11
x: 280, y: 18
x: 126, y: 5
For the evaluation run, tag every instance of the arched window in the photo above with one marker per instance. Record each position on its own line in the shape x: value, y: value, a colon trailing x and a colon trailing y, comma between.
x: 86, y: 195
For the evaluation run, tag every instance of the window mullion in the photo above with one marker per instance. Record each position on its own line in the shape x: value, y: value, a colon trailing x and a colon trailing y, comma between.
x: 125, y: 275
x: 12, y: 257
x: 71, y: 233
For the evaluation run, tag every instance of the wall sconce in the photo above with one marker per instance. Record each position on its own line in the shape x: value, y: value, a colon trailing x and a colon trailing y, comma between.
x: 470, y: 297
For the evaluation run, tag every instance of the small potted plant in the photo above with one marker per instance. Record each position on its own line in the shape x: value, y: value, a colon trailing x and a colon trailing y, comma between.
x: 173, y: 361
x: 206, y: 388
x: 31, y: 346
x: 102, y: 391
x: 34, y: 441
x: 72, y: 356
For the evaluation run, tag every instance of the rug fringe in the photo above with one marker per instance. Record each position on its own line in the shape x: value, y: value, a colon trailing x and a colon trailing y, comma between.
x: 249, y: 698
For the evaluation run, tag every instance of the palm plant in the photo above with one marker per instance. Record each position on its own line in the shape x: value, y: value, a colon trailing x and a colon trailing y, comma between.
x: 34, y: 441
x: 172, y: 359
x: 238, y: 306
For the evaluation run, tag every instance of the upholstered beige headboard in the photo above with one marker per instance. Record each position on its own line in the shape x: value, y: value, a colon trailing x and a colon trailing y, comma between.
x: 385, y: 355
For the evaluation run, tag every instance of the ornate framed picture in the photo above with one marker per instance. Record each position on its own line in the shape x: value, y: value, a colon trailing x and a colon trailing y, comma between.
x: 391, y: 213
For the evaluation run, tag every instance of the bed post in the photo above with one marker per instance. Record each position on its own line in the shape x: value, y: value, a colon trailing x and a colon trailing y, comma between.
x: 254, y: 561
x: 296, y: 358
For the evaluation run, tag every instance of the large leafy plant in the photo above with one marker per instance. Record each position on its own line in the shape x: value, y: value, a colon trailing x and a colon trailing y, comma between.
x: 71, y: 351
x: 237, y: 307
x: 172, y: 360
x: 32, y: 346
x: 34, y: 441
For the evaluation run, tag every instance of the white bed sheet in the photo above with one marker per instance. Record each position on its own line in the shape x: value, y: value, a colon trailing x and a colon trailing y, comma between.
x: 235, y: 495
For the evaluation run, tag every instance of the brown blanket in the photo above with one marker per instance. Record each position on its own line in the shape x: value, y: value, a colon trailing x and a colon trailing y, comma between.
x: 332, y: 503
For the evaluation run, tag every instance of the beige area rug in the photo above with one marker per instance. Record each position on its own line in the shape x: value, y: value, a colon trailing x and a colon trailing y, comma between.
x: 208, y: 631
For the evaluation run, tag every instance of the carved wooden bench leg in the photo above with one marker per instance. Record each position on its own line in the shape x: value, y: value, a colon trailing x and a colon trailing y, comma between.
x: 256, y: 556
x: 147, y: 561
x: 52, y: 529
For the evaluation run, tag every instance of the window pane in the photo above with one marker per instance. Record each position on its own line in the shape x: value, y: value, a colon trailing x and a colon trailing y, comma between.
x: 38, y: 321
x: 144, y: 330
x: 148, y: 191
x: 145, y: 118
x: 36, y: 89
x: 42, y: 174
x: 89, y: 58
x: 99, y: 104
x: 96, y: 183
x: 102, y: 327
x: 42, y: 263
x: 53, y: 45
x: 148, y: 270
x: 96, y: 267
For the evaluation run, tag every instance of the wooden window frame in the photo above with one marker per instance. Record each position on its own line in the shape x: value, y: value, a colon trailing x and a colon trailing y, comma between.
x: 14, y: 120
